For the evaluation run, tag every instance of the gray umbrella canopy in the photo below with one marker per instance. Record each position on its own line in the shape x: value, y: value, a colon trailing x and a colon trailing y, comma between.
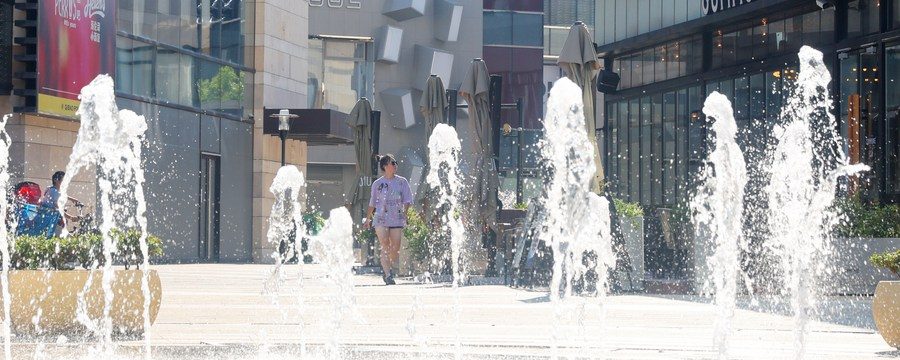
x: 579, y: 61
x: 360, y: 121
x: 474, y: 90
x: 432, y: 105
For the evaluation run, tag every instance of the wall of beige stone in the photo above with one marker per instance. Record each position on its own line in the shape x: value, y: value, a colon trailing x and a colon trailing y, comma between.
x: 280, y: 57
x: 42, y: 145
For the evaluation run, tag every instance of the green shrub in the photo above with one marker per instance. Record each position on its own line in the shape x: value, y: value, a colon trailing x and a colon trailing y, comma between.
x: 888, y: 260
x: 85, y: 250
x: 521, y: 206
x: 628, y: 209
x: 868, y: 220
x: 416, y: 234
x: 314, y: 222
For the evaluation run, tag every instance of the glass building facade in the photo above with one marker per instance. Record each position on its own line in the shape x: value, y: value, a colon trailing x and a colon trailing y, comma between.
x: 340, y: 72
x: 196, y: 54
x: 656, y: 136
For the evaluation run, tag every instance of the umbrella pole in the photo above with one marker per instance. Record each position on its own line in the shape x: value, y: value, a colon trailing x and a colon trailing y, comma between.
x: 452, y: 101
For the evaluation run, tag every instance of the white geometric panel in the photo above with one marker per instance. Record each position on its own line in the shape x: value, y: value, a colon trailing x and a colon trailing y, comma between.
x: 401, y: 10
x: 447, y: 19
x: 431, y: 61
x: 398, y: 107
x: 388, y: 41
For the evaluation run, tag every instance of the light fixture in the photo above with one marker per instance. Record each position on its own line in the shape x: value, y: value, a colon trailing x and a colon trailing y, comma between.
x: 283, y: 115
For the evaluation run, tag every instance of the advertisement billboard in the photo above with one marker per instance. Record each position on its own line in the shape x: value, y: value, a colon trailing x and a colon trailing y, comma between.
x: 77, y: 41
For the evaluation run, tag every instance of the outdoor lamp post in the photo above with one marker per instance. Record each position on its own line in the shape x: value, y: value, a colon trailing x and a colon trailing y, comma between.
x: 283, y: 116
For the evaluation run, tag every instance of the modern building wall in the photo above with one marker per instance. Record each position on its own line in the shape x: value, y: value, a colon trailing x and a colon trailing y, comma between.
x: 419, y: 31
x: 280, y: 52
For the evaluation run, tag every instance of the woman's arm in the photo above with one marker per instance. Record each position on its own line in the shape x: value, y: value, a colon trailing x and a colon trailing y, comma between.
x: 369, y: 213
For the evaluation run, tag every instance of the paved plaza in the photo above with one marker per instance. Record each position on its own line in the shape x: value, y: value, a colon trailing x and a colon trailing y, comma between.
x: 223, y: 311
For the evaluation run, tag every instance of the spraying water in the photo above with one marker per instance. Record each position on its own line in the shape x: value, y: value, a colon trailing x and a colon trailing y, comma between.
x: 286, y: 228
x: 5, y: 141
x: 111, y: 139
x: 443, y: 153
x: 718, y: 208
x: 577, y: 222
x: 807, y: 162
x: 333, y: 247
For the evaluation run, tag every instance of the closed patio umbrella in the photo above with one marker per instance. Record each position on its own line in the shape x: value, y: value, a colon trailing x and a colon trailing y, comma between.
x: 579, y: 61
x: 432, y: 106
x: 360, y: 121
x: 474, y: 90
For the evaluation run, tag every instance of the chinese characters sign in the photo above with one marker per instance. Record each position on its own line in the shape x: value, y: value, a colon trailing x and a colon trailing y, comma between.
x: 77, y: 41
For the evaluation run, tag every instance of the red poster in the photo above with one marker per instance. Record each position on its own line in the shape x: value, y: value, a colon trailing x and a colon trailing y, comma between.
x: 76, y: 42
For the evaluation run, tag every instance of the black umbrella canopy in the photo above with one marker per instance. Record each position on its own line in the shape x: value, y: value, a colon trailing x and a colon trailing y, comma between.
x: 578, y: 59
x: 474, y: 90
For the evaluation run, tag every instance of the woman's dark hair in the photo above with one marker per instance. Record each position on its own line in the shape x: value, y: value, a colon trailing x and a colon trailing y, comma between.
x: 385, y: 159
x: 58, y: 176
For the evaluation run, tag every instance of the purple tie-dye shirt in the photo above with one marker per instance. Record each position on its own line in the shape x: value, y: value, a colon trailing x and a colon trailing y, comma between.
x: 388, y: 198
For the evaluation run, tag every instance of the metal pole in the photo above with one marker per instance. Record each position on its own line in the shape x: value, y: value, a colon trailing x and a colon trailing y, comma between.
x: 520, y: 108
x: 282, y: 134
x: 494, y: 97
x: 452, y: 99
x: 376, y: 135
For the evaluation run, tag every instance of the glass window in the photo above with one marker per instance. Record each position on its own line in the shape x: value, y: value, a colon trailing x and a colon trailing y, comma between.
x: 892, y: 124
x: 497, y: 28
x: 659, y: 63
x: 656, y: 152
x: 696, y: 132
x: 168, y: 75
x: 682, y: 123
x: 669, y: 149
x: 729, y: 48
x: 895, y: 16
x: 760, y: 42
x: 649, y: 61
x: 623, y: 149
x: 811, y: 23
x: 145, y: 20
x: 314, y: 83
x: 717, y: 45
x: 773, y: 95
x: 775, y: 36
x: 646, y: 150
x: 611, y: 159
x: 625, y: 72
x: 741, y: 100
x: 634, y: 150
x: 744, y: 45
x: 695, y: 62
x: 826, y: 28
x: 676, y: 65
x: 862, y: 17
x: 209, y: 85
x: 124, y: 64
x: 793, y: 29
x: 144, y: 57
x: 526, y: 30
x: 637, y: 69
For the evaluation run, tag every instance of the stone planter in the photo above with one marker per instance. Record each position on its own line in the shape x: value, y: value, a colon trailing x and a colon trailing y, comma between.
x: 853, y: 274
x: 55, y: 294
x: 886, y: 311
x: 633, y: 232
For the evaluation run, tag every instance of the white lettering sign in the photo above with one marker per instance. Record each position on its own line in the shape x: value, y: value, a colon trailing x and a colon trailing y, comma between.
x: 714, y: 6
x: 337, y: 4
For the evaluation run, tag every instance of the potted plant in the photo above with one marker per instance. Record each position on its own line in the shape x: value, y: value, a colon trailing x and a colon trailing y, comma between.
x: 53, y: 279
x: 886, y: 306
x: 420, y: 250
x: 631, y: 222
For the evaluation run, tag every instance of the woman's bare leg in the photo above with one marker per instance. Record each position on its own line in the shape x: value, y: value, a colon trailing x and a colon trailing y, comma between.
x: 395, y: 235
x: 384, y: 239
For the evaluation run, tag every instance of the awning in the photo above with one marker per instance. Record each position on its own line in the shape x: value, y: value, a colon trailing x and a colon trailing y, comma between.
x: 314, y: 126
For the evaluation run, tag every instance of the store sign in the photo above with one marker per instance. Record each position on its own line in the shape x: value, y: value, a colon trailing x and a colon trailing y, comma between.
x: 77, y: 42
x: 347, y: 4
x: 714, y: 6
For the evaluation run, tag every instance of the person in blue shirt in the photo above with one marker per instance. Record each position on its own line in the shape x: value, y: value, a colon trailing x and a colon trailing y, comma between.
x: 51, y: 196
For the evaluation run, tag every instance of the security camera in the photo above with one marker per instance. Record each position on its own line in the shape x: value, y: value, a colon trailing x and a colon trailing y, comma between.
x: 825, y: 4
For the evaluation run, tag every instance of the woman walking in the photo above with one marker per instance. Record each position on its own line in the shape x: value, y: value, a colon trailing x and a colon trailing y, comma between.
x: 388, y: 204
